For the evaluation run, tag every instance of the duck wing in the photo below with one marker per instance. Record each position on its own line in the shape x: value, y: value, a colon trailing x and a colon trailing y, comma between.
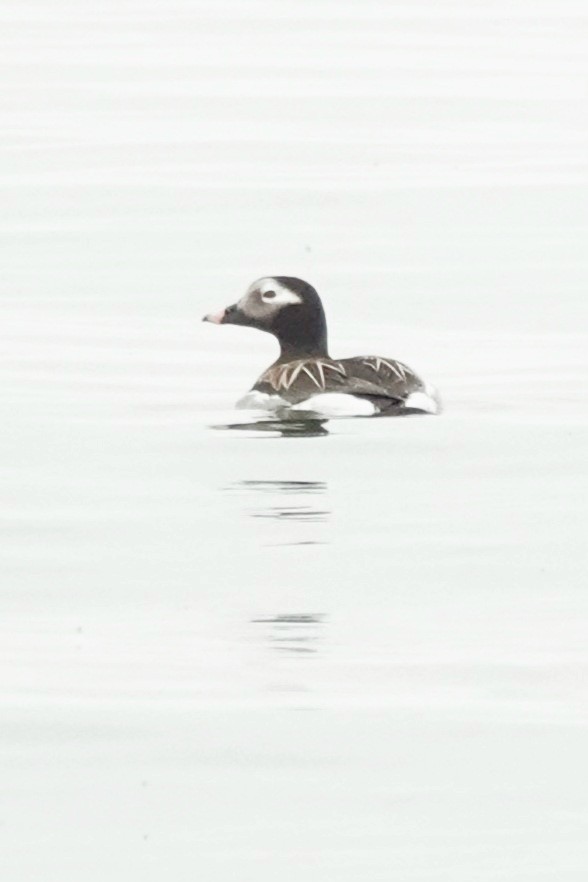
x: 295, y: 381
x: 373, y: 375
x: 385, y: 381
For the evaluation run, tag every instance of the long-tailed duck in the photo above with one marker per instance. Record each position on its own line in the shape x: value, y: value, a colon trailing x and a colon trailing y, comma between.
x: 305, y: 377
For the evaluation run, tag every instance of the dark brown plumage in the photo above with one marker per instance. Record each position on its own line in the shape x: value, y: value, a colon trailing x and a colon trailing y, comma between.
x: 291, y: 310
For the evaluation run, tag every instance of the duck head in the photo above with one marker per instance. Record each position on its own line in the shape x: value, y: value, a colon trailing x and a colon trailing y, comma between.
x: 286, y: 307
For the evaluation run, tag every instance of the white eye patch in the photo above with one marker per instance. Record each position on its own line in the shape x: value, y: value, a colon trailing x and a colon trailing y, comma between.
x: 271, y: 293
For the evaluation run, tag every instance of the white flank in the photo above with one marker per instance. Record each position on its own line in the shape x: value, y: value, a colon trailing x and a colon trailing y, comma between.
x: 261, y: 401
x: 336, y: 404
x: 427, y: 401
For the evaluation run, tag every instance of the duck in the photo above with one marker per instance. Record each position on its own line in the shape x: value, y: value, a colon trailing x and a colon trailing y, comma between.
x: 305, y: 379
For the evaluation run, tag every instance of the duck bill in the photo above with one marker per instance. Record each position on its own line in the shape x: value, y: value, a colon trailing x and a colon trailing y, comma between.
x: 216, y: 318
x: 232, y: 315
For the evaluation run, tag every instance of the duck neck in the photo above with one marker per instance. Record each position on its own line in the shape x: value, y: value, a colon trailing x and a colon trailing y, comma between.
x: 294, y: 351
x: 304, y: 338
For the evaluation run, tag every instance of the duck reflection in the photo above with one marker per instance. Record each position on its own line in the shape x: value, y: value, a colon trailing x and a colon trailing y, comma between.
x: 281, y: 428
x: 295, y: 635
x: 288, y: 502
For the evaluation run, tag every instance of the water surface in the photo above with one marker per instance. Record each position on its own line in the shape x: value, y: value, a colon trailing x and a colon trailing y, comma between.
x: 345, y: 650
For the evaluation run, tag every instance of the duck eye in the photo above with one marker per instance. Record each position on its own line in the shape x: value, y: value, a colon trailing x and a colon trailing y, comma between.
x: 268, y: 295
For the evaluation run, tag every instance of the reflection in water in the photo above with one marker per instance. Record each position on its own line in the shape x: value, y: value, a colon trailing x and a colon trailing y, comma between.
x: 282, y: 428
x: 297, y: 508
x: 287, y: 486
x: 297, y: 512
x: 284, y: 504
x: 293, y: 634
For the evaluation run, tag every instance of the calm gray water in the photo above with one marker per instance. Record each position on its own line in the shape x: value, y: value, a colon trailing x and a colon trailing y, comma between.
x: 351, y: 654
